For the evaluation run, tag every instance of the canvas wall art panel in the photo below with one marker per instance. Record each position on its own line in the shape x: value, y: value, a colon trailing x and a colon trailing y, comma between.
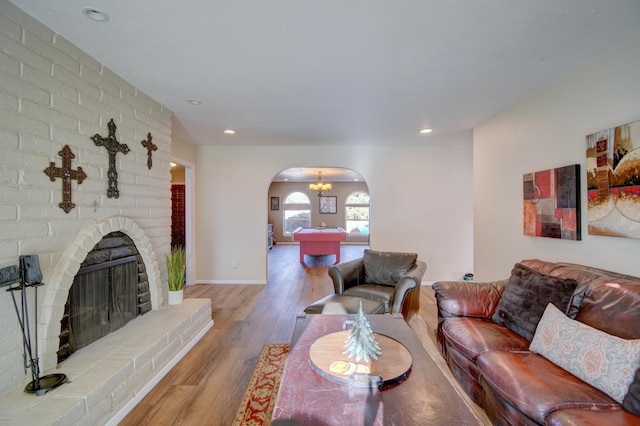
x: 613, y: 181
x: 551, y: 203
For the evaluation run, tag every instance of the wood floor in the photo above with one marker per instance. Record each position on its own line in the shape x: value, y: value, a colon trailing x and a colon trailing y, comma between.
x: 206, y: 386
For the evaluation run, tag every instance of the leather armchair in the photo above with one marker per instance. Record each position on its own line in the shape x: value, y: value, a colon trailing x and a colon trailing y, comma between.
x: 392, y: 278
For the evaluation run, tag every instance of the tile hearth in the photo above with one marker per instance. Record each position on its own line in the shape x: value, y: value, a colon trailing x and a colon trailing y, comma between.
x: 107, y: 378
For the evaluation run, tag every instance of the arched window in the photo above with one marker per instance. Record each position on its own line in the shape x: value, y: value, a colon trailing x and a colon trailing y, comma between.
x: 356, y: 208
x: 297, y: 212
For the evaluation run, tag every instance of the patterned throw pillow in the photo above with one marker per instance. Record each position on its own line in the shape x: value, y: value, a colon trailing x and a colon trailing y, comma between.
x: 386, y: 268
x: 606, y: 362
x: 527, y: 295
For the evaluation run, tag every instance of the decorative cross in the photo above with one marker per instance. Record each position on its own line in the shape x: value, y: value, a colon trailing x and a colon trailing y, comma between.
x: 67, y: 175
x: 113, y: 147
x: 150, y: 148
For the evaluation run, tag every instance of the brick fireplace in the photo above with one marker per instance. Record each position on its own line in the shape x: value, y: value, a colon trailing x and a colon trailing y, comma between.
x: 109, y: 376
x: 57, y: 289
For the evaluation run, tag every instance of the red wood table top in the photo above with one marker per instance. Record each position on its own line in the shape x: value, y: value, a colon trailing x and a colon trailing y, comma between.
x: 316, y: 242
x: 315, y: 234
x: 424, y: 397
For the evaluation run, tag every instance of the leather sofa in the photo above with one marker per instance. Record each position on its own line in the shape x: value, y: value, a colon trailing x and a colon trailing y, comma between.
x: 517, y: 386
x: 385, y: 282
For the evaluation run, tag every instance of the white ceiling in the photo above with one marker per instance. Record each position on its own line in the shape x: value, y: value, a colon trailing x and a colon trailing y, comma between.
x: 310, y: 174
x: 296, y: 72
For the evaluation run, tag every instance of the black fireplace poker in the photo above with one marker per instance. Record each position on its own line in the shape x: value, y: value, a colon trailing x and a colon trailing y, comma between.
x: 18, y: 279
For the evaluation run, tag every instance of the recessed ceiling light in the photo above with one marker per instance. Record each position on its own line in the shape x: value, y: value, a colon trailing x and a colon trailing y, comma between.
x: 194, y: 101
x: 95, y: 15
x: 229, y: 132
x: 425, y: 131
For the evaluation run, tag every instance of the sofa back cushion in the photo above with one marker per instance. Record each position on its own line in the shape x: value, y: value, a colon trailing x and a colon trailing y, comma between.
x: 526, y: 297
x: 612, y: 306
x: 386, y: 268
x: 606, y: 300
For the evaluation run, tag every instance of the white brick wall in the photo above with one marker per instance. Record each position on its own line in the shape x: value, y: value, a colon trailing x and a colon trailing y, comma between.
x: 52, y: 94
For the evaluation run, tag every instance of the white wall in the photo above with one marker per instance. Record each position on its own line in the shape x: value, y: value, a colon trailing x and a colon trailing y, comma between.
x: 183, y: 150
x: 51, y: 95
x: 421, y: 202
x: 548, y: 131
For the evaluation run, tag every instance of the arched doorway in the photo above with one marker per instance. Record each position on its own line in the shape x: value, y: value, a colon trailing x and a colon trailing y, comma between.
x: 293, y: 203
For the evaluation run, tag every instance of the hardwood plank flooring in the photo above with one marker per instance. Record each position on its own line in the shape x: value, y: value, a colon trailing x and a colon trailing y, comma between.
x: 206, y: 386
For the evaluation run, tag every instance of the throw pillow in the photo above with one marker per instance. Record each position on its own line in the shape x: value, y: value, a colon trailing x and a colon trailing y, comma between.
x: 386, y: 268
x: 526, y: 296
x: 631, y: 401
x: 606, y: 362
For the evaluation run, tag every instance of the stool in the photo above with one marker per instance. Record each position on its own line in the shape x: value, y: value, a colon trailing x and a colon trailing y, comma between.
x: 342, y: 304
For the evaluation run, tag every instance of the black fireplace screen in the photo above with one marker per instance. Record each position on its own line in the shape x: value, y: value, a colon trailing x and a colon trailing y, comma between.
x: 110, y: 289
x: 102, y: 299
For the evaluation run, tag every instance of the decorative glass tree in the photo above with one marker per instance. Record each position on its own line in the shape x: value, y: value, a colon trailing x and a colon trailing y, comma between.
x: 361, y: 343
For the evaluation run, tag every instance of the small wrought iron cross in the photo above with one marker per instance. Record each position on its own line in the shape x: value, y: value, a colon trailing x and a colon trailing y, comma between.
x: 150, y: 148
x: 67, y: 175
x: 113, y: 147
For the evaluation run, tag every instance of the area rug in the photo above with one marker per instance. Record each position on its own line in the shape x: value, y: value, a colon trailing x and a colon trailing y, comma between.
x: 260, y: 395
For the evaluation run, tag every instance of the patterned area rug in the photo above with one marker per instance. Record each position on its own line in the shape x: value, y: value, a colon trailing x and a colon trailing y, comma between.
x: 260, y: 395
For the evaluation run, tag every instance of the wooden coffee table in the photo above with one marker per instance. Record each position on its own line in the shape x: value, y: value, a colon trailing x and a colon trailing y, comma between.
x: 425, y: 397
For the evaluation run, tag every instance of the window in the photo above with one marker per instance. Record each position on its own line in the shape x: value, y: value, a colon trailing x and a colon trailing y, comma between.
x: 357, y: 212
x: 297, y: 212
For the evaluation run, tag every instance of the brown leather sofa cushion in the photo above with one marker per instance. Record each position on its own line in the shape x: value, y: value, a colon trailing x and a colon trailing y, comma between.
x: 458, y: 298
x: 473, y: 336
x: 537, y: 387
x: 577, y: 417
x: 526, y: 297
x: 386, y: 268
x: 612, y: 306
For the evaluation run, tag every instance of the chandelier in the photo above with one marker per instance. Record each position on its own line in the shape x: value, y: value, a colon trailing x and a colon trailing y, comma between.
x: 320, y: 187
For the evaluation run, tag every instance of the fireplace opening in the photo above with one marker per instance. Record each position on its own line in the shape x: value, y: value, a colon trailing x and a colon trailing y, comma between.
x: 110, y: 289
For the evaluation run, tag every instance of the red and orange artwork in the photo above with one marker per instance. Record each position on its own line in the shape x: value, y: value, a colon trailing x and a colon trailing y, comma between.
x: 551, y: 203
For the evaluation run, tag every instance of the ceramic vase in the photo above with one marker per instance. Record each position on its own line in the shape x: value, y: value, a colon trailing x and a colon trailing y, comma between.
x: 175, y: 297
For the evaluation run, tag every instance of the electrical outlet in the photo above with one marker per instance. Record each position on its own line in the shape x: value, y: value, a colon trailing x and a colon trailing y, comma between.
x: 234, y: 263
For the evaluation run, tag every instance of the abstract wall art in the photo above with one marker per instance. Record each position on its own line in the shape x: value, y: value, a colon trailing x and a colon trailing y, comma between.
x: 551, y: 203
x: 613, y: 181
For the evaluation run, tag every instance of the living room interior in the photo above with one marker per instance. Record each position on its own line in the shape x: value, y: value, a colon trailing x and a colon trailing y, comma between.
x: 507, y: 89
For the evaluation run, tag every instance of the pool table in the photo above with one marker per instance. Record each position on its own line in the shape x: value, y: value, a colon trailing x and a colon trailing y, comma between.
x: 319, y: 241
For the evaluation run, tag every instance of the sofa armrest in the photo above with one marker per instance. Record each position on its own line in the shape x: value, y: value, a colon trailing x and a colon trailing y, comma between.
x: 468, y: 299
x: 346, y: 275
x: 409, y: 283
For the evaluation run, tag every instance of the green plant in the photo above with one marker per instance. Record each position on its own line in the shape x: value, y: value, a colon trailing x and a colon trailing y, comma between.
x: 176, y: 262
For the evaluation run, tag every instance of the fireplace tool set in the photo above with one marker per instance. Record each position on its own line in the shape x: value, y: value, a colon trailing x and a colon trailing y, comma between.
x: 18, y: 279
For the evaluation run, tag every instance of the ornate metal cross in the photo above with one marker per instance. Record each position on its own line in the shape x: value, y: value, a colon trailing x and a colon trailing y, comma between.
x: 67, y: 175
x: 150, y: 148
x: 113, y: 147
